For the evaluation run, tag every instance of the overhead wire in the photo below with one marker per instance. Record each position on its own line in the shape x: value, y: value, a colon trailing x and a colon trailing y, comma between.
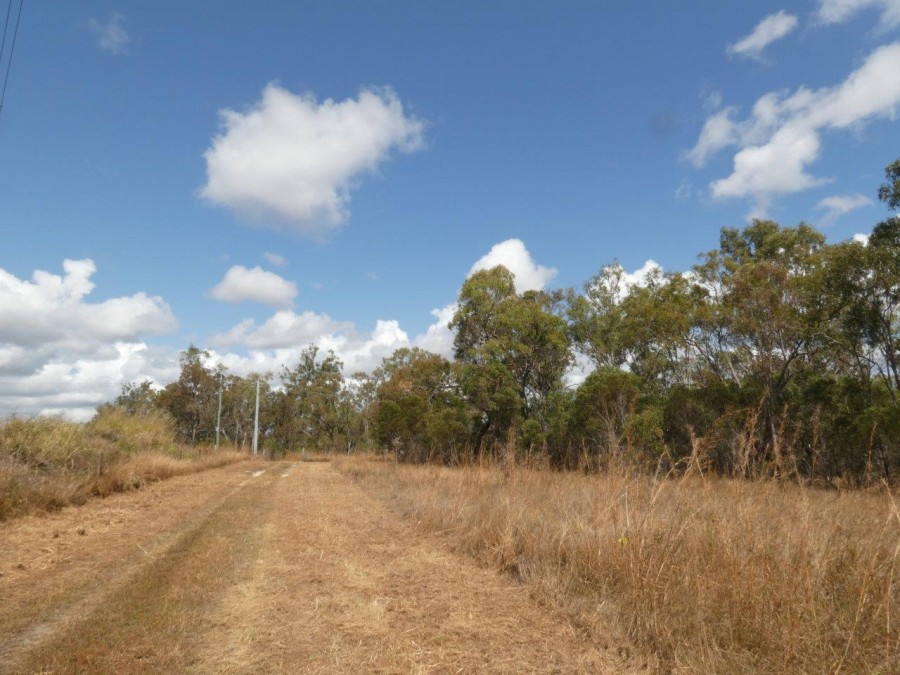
x: 5, y: 31
x: 12, y: 47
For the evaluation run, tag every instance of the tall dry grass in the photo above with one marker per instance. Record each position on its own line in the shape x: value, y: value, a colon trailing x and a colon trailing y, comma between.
x: 48, y: 463
x: 701, y: 574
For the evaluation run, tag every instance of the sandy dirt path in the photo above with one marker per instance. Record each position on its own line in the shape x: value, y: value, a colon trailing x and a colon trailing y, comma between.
x: 262, y: 568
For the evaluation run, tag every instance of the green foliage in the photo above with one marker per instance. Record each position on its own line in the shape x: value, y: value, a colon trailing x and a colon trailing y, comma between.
x: 598, y: 320
x: 514, y: 350
x: 614, y: 422
x: 777, y: 354
x: 889, y: 192
x: 420, y: 413
x: 730, y: 354
x: 138, y: 399
x: 239, y: 407
x: 308, y: 407
x: 191, y: 400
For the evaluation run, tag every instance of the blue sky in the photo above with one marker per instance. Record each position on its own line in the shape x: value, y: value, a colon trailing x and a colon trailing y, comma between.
x: 376, y: 152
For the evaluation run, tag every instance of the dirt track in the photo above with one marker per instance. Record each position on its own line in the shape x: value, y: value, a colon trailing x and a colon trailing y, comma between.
x: 254, y: 567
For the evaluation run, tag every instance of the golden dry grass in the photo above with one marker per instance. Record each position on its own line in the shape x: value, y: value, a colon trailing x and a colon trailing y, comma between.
x: 342, y: 585
x: 703, y: 574
x: 60, y: 569
x: 266, y: 568
x: 157, y: 597
x: 48, y: 463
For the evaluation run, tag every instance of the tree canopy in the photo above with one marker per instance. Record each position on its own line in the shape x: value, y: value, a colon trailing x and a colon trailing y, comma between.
x: 777, y: 353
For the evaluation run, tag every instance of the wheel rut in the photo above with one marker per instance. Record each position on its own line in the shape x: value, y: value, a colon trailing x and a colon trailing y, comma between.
x: 266, y: 568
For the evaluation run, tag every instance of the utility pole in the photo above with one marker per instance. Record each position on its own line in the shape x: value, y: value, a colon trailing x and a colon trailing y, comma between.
x: 219, y: 412
x: 256, y: 421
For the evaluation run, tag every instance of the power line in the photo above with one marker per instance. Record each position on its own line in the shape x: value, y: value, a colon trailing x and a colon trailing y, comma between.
x: 12, y: 47
x: 5, y: 30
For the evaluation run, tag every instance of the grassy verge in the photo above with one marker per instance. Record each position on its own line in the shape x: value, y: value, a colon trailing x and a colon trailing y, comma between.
x: 48, y: 463
x: 702, y: 574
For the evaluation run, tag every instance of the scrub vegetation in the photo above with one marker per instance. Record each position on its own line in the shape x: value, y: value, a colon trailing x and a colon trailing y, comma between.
x: 776, y: 356
x: 48, y: 463
x: 700, y: 573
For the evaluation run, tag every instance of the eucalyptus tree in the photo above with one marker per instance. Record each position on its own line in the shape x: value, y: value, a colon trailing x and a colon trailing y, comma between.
x: 765, y: 318
x: 889, y: 192
x: 359, y: 408
x: 307, y: 409
x: 138, y: 398
x: 514, y: 351
x: 881, y: 290
x: 191, y: 399
x: 239, y: 407
x: 420, y: 411
x: 597, y: 318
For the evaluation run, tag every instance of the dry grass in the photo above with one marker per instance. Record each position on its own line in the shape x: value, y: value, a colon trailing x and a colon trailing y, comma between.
x: 704, y: 574
x: 341, y: 585
x: 265, y: 568
x: 152, y: 620
x: 48, y: 463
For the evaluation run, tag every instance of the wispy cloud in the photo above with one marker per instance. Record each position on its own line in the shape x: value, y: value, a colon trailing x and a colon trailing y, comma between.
x: 684, y: 190
x: 782, y: 137
x: 275, y: 258
x: 772, y: 28
x: 111, y: 35
x: 839, y: 11
x: 839, y: 205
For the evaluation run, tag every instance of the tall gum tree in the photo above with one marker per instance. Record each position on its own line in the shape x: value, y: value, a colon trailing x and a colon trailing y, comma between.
x: 764, y: 321
x: 514, y: 350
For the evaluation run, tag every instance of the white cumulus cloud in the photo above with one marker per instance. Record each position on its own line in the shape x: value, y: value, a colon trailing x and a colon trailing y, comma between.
x: 772, y: 28
x: 291, y: 162
x: 259, y: 347
x: 513, y: 255
x: 254, y: 285
x: 782, y: 137
x: 284, y: 330
x: 642, y: 275
x: 438, y: 338
x: 111, y: 35
x: 280, y: 340
x: 252, y: 347
x: 51, y: 308
x: 275, y: 259
x: 60, y: 353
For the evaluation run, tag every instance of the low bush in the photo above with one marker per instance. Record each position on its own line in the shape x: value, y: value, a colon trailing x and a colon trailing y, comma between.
x: 47, y: 463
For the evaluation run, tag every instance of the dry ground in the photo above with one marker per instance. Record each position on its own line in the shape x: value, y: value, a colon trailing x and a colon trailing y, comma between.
x: 276, y: 567
x: 698, y: 574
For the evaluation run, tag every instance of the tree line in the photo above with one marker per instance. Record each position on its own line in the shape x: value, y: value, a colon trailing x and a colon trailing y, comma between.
x: 776, y: 354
